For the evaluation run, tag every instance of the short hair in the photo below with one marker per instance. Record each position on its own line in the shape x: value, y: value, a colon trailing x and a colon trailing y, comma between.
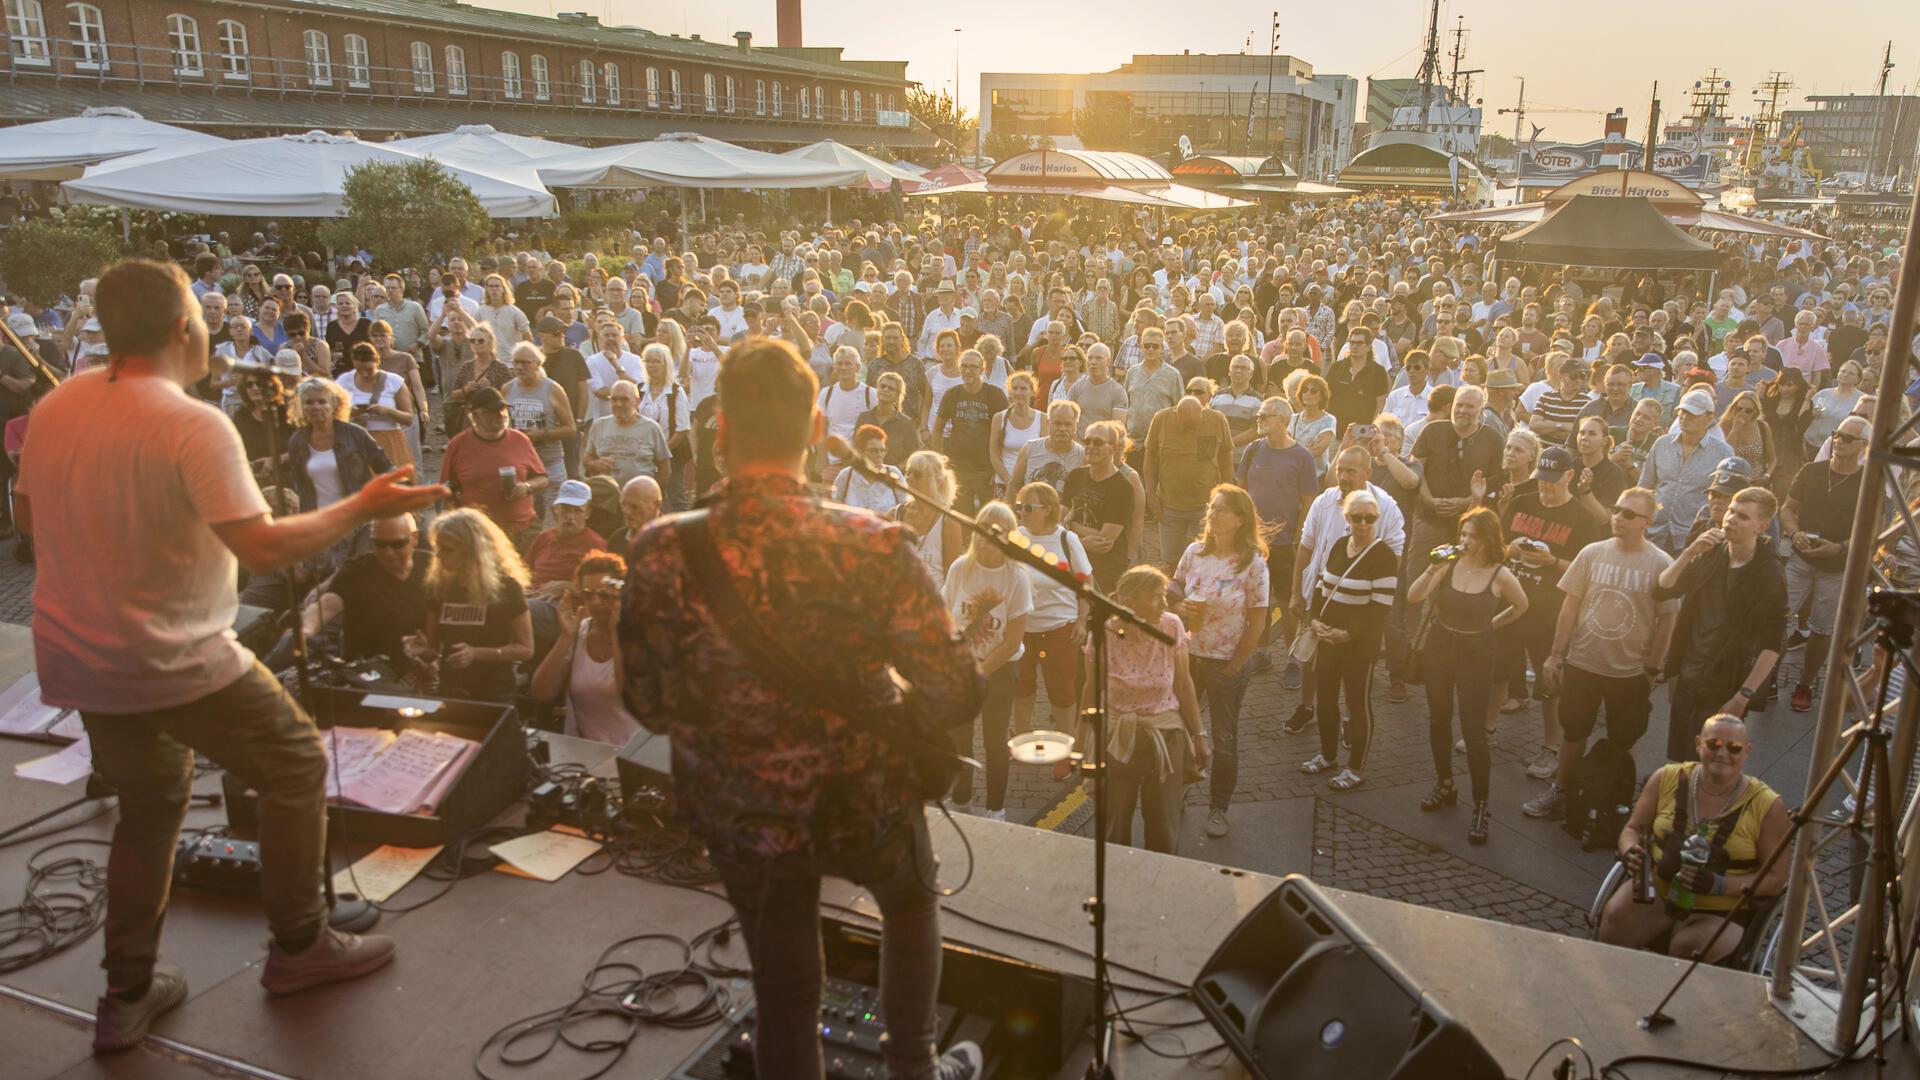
x: 1440, y: 398
x: 1113, y: 431
x: 1063, y: 405
x: 868, y: 431
x: 1759, y: 497
x: 1648, y: 494
x: 1357, y: 498
x: 600, y: 562
x: 139, y: 303
x: 767, y: 393
x: 204, y: 262
x: 342, y: 401
x: 295, y: 321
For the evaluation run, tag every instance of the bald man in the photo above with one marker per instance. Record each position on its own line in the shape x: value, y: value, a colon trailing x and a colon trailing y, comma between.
x: 639, y: 504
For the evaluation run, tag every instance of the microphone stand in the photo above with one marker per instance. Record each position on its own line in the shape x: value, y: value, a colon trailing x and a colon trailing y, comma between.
x: 1101, y: 609
x: 356, y: 915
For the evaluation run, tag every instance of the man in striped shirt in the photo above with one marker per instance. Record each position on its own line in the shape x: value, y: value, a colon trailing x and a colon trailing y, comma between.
x: 1558, y: 410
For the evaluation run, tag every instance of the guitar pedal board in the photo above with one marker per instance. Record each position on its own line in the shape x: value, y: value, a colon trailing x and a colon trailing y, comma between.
x: 850, y: 1028
x: 218, y: 863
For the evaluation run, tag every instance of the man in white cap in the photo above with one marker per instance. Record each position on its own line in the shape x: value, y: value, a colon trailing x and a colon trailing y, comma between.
x: 555, y: 553
x: 942, y: 317
x: 1679, y: 468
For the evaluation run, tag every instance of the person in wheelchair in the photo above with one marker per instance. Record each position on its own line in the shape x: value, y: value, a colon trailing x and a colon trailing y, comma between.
x: 1709, y: 828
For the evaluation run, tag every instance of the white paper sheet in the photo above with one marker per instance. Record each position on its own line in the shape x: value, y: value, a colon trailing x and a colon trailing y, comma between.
x: 449, y: 776
x: 69, y: 727
x: 384, y: 871
x: 21, y: 711
x: 401, y: 777
x: 546, y: 856
x: 70, y: 764
x: 356, y: 747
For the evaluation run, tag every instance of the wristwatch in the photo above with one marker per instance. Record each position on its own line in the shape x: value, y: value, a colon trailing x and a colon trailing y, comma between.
x: 1745, y: 693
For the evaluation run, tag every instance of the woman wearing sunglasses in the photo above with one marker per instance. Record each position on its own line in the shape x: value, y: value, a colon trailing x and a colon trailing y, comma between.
x: 1708, y: 827
x: 583, y: 667
x: 1348, y: 618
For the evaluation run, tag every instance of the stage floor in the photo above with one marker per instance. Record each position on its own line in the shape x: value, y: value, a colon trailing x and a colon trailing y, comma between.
x: 498, y: 947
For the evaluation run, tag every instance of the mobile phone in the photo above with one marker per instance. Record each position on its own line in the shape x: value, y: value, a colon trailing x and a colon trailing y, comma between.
x: 1364, y: 432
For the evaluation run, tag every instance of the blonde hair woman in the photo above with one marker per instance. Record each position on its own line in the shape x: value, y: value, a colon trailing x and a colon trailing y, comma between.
x: 478, y: 625
x: 990, y: 599
x: 1749, y: 434
x: 935, y: 536
x: 1058, y: 623
x: 1222, y: 579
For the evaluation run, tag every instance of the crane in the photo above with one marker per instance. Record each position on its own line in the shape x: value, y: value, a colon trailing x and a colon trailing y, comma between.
x: 1521, y: 109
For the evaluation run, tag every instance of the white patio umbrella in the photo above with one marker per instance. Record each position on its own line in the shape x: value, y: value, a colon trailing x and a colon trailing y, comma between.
x: 877, y: 175
x: 684, y: 160
x: 62, y: 149
x: 483, y: 145
x: 286, y: 176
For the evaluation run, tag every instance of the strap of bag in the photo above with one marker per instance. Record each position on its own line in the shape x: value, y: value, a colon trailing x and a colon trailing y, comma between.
x: 1343, y: 578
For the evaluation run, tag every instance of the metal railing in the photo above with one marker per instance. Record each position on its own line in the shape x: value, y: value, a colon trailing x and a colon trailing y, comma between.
x: 70, y: 61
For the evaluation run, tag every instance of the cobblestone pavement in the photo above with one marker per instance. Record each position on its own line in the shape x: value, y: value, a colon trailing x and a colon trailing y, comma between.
x: 1360, y: 855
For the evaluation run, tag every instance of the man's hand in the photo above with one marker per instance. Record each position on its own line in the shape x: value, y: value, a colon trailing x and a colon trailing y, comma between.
x: 1736, y: 705
x: 1621, y: 455
x: 1550, y: 673
x: 389, y: 493
x: 1478, y: 485
x: 1706, y: 542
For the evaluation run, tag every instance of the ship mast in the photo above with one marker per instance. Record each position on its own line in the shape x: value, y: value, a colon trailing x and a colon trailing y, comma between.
x: 1430, y: 68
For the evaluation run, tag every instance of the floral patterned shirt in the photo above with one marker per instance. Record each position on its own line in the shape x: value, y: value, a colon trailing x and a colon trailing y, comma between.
x: 757, y: 770
x: 1140, y: 670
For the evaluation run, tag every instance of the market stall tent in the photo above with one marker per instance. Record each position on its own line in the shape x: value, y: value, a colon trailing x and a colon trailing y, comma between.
x: 62, y: 149
x: 284, y: 176
x: 1675, y: 201
x: 686, y: 160
x: 1099, y: 175
x: 1598, y: 232
x: 878, y: 175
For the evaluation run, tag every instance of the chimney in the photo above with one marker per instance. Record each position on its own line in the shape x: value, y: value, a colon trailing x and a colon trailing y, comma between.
x: 744, y: 39
x: 789, y: 15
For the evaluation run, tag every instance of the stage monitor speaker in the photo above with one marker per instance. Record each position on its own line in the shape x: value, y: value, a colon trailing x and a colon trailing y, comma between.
x: 1297, y: 991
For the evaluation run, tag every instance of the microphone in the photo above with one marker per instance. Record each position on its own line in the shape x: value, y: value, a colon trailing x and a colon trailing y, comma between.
x: 249, y: 367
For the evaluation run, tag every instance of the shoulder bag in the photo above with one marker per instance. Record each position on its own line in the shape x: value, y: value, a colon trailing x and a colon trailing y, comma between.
x: 935, y: 767
x: 1304, y: 643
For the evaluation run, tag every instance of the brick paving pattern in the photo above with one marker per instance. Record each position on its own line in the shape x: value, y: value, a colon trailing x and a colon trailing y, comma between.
x: 1355, y: 853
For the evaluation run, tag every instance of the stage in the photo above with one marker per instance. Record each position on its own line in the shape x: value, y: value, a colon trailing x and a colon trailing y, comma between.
x: 498, y: 948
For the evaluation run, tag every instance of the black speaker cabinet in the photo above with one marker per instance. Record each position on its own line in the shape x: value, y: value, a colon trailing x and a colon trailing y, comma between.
x: 1298, y: 992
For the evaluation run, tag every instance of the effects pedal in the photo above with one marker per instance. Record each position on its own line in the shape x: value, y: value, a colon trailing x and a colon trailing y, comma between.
x: 850, y: 1030
x: 218, y: 863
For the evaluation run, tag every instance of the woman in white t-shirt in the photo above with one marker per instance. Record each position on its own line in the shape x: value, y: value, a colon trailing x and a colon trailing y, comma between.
x: 382, y: 403
x: 945, y: 375
x: 990, y: 599
x: 1059, y: 621
x: 842, y: 400
x: 855, y: 488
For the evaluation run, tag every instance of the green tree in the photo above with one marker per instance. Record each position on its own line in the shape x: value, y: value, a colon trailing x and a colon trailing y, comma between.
x: 406, y: 212
x: 943, y: 116
x: 1495, y: 145
x: 44, y: 259
x: 1106, y: 123
x: 1001, y: 145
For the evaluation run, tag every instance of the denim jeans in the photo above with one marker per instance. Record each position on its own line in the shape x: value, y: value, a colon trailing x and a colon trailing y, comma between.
x: 996, y: 716
x: 252, y: 729
x: 778, y: 902
x: 1222, y: 693
x: 1177, y: 530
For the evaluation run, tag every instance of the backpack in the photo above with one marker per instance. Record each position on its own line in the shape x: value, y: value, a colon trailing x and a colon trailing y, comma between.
x: 1600, y: 796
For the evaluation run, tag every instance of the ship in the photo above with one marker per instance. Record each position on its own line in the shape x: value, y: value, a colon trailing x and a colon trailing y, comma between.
x: 1429, y: 146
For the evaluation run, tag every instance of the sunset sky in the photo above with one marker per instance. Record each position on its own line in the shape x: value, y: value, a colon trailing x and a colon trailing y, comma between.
x: 1568, y: 60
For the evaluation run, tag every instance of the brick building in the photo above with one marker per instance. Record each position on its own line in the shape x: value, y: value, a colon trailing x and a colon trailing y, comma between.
x: 237, y: 67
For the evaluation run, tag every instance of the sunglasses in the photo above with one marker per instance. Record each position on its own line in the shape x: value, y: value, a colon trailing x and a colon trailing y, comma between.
x: 393, y: 545
x: 1629, y: 513
x: 1032, y: 508
x: 1733, y: 749
x: 1363, y: 519
x: 1841, y: 436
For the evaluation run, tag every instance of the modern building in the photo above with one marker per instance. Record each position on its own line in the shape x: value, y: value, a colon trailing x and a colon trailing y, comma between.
x: 379, y: 67
x: 1860, y: 134
x: 1212, y: 99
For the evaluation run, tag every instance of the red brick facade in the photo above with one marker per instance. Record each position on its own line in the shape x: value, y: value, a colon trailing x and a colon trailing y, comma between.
x: 141, y: 42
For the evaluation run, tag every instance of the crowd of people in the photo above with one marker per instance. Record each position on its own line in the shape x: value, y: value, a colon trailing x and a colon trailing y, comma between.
x: 1310, y: 444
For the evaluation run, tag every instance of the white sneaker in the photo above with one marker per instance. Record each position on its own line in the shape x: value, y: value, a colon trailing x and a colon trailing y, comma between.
x: 1545, y: 765
x: 994, y: 815
x: 962, y: 1061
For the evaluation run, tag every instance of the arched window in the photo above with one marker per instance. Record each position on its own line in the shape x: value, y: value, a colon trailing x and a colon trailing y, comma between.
x: 234, y: 62
x: 510, y: 76
x: 357, y: 61
x: 845, y: 114
x: 712, y: 95
x: 819, y: 103
x: 422, y: 68
x: 588, y: 80
x: 653, y: 88
x: 731, y: 86
x: 777, y: 105
x: 319, y: 58
x: 27, y: 32
x: 673, y: 87
x: 759, y: 97
x: 183, y: 33
x: 610, y: 75
x: 542, y: 86
x: 456, y: 70
x: 89, y: 37
x: 806, y: 104
x: 858, y: 116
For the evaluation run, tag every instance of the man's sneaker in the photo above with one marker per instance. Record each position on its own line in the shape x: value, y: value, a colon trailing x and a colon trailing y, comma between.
x: 333, y: 957
x: 1291, y: 679
x: 1459, y: 746
x: 1301, y: 720
x: 1217, y: 823
x: 1549, y: 804
x: 119, y: 1024
x: 1397, y: 692
x: 962, y: 1061
x: 1797, y: 637
x: 1545, y: 765
x: 1803, y: 698
x: 994, y: 815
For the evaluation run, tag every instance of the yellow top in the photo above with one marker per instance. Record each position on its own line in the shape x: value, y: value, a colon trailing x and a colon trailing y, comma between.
x: 1743, y: 840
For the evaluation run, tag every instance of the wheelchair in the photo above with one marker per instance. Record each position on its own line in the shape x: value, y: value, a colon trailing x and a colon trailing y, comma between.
x: 1757, y: 943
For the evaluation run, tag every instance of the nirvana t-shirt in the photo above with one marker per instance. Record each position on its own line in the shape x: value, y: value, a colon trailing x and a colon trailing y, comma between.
x: 1565, y: 529
x: 486, y: 626
x: 1094, y: 503
x: 379, y: 609
x: 1826, y: 500
x: 1617, y: 611
x: 970, y: 414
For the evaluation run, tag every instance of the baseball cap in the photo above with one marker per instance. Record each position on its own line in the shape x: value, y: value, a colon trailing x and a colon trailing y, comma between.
x: 91, y: 326
x: 1652, y: 359
x: 573, y: 493
x: 486, y: 399
x: 23, y: 324
x: 968, y: 313
x: 1555, y: 463
x: 287, y: 362
x: 1730, y: 475
x: 550, y: 324
x: 1697, y: 402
